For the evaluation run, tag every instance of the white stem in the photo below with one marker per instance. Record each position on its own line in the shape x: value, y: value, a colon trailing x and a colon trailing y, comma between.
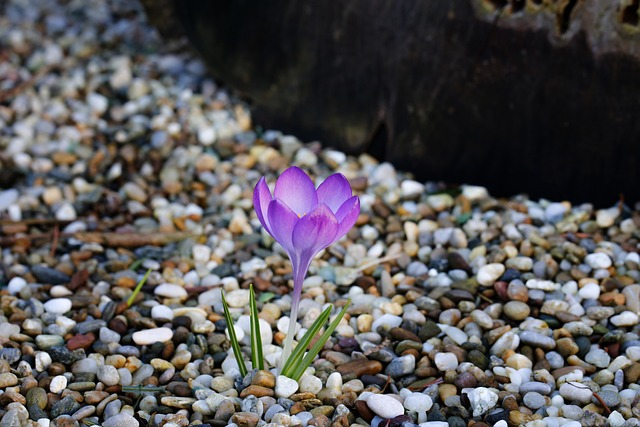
x: 288, y: 341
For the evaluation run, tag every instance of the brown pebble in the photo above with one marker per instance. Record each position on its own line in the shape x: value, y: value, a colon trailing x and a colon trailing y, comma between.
x: 465, y: 380
x: 557, y: 373
x: 305, y: 395
x: 264, y: 379
x: 632, y: 373
x: 296, y: 408
x: 567, y: 347
x: 93, y: 397
x: 320, y: 421
x: 81, y: 341
x: 518, y: 418
x: 245, y: 419
x: 364, y: 411
x: 325, y: 410
x: 360, y: 367
x: 257, y: 391
x: 401, y: 334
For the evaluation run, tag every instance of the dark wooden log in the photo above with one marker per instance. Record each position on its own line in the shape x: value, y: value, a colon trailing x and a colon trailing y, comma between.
x: 452, y: 93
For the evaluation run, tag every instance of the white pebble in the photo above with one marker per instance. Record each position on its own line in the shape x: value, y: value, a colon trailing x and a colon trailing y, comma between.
x: 16, y: 284
x: 285, y: 386
x: 481, y: 399
x: 170, y: 290
x: 201, y: 254
x: 58, y: 305
x: 598, y: 260
x: 58, y: 383
x: 161, y: 312
x: 626, y: 318
x: 489, y: 273
x: 385, y: 405
x: 590, y: 291
x: 446, y: 361
x: 66, y: 212
x: 150, y: 336
x: 310, y: 383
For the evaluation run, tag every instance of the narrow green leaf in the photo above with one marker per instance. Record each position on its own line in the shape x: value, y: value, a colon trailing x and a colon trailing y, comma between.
x: 136, y: 291
x: 266, y: 297
x: 298, y: 352
x: 137, y: 263
x: 257, y: 359
x: 318, y: 344
x: 235, y: 345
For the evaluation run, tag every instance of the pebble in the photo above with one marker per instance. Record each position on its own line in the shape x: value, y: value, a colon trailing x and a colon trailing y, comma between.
x: 489, y: 273
x: 58, y: 305
x: 151, y: 336
x: 122, y: 419
x: 385, y: 406
x: 285, y: 386
x: 481, y: 400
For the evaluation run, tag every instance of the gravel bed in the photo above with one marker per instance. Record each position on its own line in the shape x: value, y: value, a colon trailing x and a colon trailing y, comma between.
x: 120, y: 156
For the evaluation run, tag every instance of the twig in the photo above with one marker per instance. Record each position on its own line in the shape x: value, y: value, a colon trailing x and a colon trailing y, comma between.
x: 386, y: 384
x: 26, y: 84
x: 429, y: 384
x: 586, y: 387
x: 54, y: 243
x: 33, y: 221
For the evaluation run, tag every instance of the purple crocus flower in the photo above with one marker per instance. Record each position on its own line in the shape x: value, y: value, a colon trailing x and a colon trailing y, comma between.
x: 304, y: 220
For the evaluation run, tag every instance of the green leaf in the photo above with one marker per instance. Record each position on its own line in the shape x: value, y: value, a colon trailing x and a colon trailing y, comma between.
x: 318, y: 344
x: 136, y: 291
x: 235, y: 345
x: 137, y: 263
x: 296, y: 356
x: 266, y: 297
x: 257, y: 359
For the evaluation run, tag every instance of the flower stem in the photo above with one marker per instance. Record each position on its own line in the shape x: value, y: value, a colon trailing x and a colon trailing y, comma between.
x: 298, y: 278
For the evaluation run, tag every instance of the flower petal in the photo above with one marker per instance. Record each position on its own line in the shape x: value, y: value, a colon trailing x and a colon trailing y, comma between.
x: 347, y: 216
x: 334, y: 191
x: 296, y: 190
x: 282, y: 221
x: 261, y: 199
x: 314, y: 232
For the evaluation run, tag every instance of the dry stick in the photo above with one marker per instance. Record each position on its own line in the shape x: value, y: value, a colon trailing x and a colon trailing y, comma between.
x: 54, y: 244
x: 594, y: 395
x: 123, y: 240
x: 33, y: 221
x: 26, y: 84
x: 429, y: 384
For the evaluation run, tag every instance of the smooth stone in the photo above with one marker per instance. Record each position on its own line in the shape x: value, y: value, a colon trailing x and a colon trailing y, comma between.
x: 481, y: 399
x: 489, y: 273
x: 58, y: 305
x: 170, y: 290
x: 285, y: 386
x: 574, y: 391
x: 122, y: 419
x: 385, y: 406
x: 150, y: 336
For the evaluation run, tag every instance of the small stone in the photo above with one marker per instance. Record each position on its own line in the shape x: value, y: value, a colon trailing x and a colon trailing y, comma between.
x: 516, y: 310
x: 534, y: 400
x: 57, y: 384
x: 481, y: 399
x: 385, y: 406
x: 8, y: 379
x: 626, y: 318
x: 264, y: 379
x: 285, y: 386
x: 418, y: 402
x: 598, y: 260
x: 446, y: 361
x: 488, y: 274
x: 169, y: 290
x: 58, y: 305
x: 108, y: 375
x: 122, y: 419
x: 150, y: 336
x: 573, y: 391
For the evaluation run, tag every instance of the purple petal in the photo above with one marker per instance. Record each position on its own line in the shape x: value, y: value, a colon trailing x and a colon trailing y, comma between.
x: 296, y: 190
x: 261, y: 199
x: 314, y: 232
x: 282, y: 221
x: 334, y: 191
x: 347, y: 216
